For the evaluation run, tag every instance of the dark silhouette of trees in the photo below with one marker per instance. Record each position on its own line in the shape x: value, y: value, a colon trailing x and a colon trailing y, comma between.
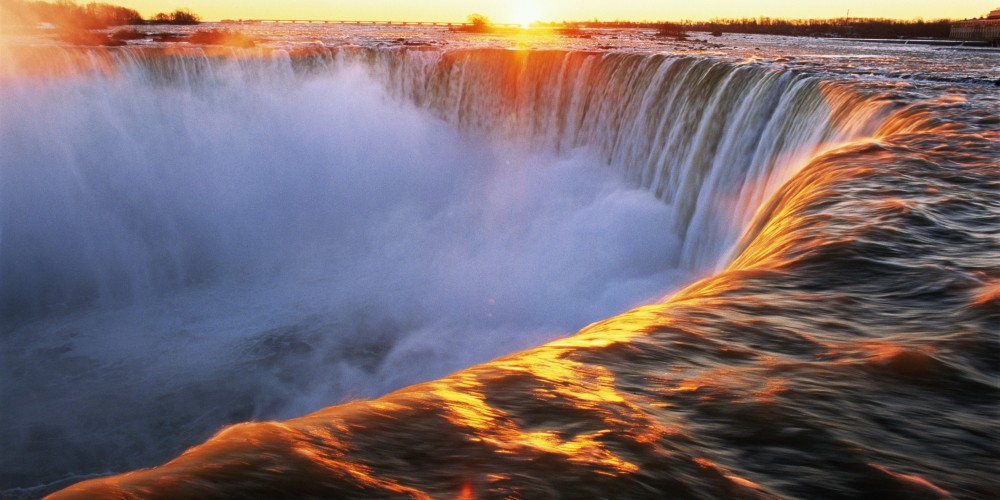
x: 110, y: 15
x: 66, y: 15
x: 842, y: 27
x: 179, y: 16
x: 81, y: 24
x: 672, y: 30
x: 477, y: 23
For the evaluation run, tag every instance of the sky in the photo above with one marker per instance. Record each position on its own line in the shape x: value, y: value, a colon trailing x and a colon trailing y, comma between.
x: 522, y: 11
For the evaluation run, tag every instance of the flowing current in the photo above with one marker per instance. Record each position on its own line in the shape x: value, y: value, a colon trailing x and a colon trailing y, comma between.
x: 191, y: 239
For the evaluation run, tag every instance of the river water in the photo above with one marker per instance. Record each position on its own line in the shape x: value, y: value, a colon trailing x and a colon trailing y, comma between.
x: 787, y: 252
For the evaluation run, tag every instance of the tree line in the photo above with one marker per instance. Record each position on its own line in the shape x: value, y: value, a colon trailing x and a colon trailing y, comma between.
x: 842, y: 27
x: 68, y: 15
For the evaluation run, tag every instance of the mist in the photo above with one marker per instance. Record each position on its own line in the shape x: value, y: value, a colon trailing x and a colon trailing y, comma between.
x: 179, y: 255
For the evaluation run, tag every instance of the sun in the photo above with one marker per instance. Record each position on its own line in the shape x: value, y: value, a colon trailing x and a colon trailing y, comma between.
x: 525, y: 20
x: 523, y: 15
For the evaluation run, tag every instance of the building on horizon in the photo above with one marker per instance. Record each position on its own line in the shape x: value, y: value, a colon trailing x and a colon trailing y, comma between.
x: 986, y: 30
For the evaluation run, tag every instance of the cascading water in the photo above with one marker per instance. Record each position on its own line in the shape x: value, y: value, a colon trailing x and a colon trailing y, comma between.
x: 193, y: 241
x: 196, y: 240
x: 710, y: 138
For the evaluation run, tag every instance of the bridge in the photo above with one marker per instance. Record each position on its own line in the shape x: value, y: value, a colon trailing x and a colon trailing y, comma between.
x: 372, y: 23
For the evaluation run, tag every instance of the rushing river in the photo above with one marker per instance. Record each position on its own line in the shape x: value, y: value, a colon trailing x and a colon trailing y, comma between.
x: 805, y: 235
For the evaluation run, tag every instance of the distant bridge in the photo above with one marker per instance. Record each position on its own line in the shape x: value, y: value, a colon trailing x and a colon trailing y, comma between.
x: 341, y: 21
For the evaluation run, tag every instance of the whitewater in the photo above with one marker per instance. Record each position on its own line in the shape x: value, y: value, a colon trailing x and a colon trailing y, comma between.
x: 499, y: 267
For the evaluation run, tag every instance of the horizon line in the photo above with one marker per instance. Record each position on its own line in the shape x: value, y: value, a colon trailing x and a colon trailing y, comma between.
x: 602, y: 21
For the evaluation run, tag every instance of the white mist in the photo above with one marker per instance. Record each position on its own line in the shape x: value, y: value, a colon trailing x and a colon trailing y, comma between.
x: 178, y: 255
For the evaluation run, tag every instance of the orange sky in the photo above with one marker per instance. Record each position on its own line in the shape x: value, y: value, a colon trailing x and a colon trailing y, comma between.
x: 518, y: 11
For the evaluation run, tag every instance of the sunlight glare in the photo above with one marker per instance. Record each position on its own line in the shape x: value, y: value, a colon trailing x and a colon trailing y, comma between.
x: 524, y: 14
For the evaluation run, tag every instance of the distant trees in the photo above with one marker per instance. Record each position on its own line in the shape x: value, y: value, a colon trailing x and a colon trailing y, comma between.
x: 477, y: 23
x: 672, y: 30
x: 66, y: 15
x: 110, y: 15
x: 845, y: 27
x: 179, y: 16
x: 82, y: 24
x: 842, y: 27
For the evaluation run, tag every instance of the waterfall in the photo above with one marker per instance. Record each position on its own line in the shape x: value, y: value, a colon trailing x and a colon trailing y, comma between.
x: 272, y: 231
x: 712, y: 139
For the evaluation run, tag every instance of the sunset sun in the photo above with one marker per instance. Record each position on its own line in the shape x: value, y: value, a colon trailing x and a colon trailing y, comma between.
x: 524, y: 14
x: 525, y: 18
